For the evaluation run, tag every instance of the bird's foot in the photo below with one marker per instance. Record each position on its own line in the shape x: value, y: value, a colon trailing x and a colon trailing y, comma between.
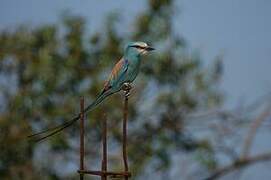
x: 126, y: 87
x: 127, y: 94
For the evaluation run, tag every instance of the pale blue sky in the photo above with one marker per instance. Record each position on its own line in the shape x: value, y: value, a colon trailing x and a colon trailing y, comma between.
x: 238, y: 29
x: 241, y: 30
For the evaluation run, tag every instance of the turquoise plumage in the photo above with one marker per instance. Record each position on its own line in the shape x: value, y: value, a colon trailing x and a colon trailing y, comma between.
x: 125, y: 71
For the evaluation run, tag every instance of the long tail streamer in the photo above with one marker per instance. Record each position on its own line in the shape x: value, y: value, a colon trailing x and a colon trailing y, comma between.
x: 37, y: 137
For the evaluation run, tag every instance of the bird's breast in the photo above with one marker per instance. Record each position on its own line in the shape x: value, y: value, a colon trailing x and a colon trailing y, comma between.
x: 133, y: 70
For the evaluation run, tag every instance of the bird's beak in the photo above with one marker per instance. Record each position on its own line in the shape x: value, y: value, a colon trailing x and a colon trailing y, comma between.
x: 149, y: 48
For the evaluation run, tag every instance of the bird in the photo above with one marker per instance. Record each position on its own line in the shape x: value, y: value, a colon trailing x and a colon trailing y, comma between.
x: 124, y: 72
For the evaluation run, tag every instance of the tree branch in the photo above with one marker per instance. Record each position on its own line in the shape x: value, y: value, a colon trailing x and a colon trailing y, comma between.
x: 253, y: 130
x: 238, y: 164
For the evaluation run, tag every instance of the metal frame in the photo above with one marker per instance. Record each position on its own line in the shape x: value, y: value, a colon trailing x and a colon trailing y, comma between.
x: 104, y: 173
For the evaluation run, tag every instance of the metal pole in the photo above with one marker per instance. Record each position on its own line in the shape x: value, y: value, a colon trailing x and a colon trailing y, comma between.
x: 104, y: 173
x: 127, y: 87
x: 82, y: 131
x: 104, y: 160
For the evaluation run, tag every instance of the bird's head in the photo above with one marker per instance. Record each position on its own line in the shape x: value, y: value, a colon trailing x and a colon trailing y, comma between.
x: 138, y: 48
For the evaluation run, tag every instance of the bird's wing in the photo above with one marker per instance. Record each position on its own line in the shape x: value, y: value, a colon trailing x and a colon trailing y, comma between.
x: 117, y: 73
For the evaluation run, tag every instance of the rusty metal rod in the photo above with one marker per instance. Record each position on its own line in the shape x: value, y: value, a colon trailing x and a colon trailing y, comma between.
x: 82, y: 132
x: 106, y: 173
x: 124, y: 143
x: 104, y: 139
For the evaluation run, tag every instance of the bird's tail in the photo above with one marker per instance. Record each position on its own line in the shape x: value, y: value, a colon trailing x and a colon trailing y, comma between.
x: 37, y: 137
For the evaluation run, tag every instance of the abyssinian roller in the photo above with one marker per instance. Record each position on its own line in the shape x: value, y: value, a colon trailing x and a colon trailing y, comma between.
x: 125, y: 71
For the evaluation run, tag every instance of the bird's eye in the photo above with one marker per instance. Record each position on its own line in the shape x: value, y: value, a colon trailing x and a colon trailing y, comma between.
x: 138, y: 47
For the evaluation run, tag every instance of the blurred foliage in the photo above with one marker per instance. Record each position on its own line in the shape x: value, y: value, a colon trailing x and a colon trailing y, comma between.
x: 46, y: 69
